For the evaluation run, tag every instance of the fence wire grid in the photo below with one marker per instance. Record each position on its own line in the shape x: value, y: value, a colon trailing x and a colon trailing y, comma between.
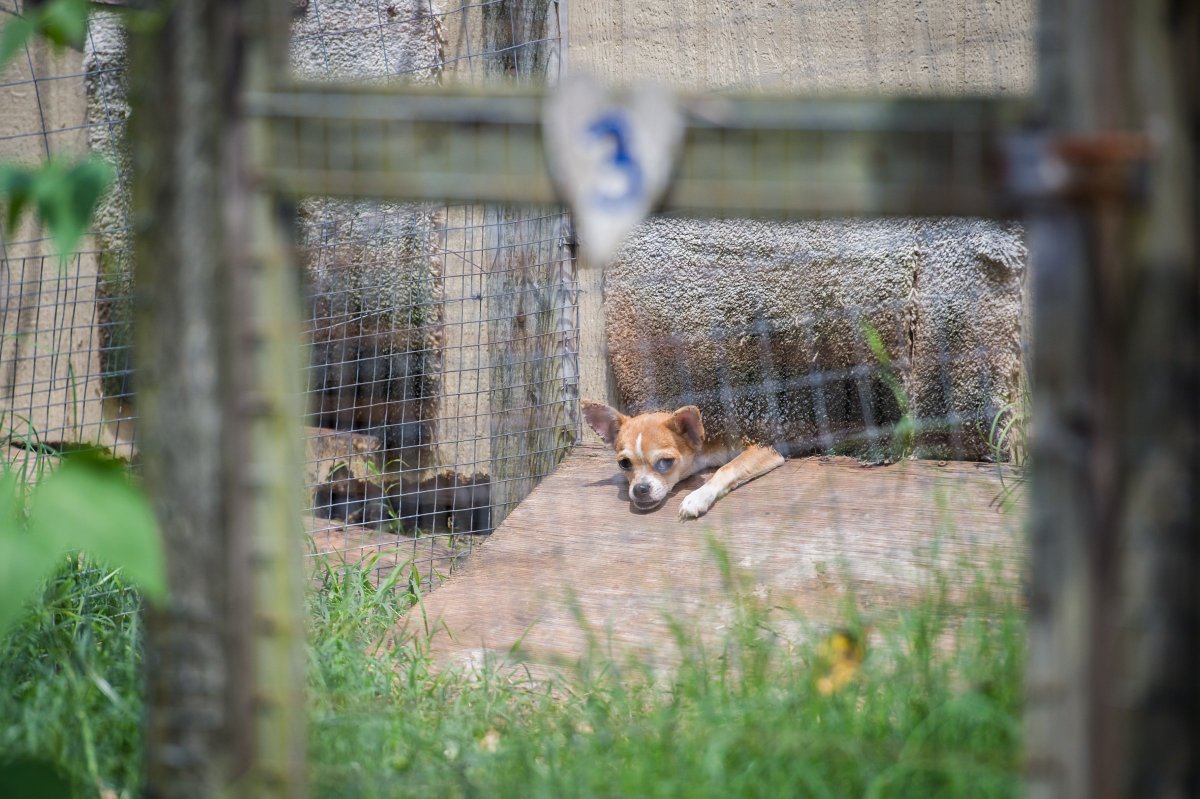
x: 415, y: 314
x: 450, y: 345
x: 879, y: 318
x: 409, y: 304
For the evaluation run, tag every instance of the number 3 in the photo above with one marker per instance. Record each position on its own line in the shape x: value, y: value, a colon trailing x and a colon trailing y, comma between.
x: 613, y: 127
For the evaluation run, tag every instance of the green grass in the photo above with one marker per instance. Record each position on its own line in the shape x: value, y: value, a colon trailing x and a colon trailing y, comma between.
x: 71, y: 671
x: 933, y: 711
x: 929, y: 713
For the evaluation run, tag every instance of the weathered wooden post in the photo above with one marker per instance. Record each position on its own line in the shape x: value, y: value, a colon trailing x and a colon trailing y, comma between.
x: 1112, y: 686
x: 218, y: 396
x: 532, y: 341
x: 1158, y: 704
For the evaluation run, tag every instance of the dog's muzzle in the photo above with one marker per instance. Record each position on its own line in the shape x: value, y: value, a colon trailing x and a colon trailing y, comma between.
x: 642, y: 496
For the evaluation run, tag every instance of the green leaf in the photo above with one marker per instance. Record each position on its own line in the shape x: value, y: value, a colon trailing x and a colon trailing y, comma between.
x: 17, y: 31
x: 31, y: 778
x: 23, y: 566
x: 16, y: 184
x: 64, y: 22
x: 875, y: 342
x: 25, y: 560
x: 52, y: 194
x: 89, y: 181
x: 89, y: 503
x: 65, y: 196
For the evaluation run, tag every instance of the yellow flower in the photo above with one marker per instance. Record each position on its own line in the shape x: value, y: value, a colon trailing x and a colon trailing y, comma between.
x: 841, y: 653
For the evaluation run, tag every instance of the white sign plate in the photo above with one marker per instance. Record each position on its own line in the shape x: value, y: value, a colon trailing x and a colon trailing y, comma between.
x: 612, y: 159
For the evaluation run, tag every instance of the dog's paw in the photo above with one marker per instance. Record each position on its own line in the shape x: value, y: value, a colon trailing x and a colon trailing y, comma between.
x: 697, y: 503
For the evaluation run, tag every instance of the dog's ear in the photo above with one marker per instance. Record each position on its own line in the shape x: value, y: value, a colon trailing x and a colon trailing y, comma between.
x: 686, y: 422
x: 604, y: 420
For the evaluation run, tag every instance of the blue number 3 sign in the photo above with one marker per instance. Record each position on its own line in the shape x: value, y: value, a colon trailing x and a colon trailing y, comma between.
x: 625, y: 184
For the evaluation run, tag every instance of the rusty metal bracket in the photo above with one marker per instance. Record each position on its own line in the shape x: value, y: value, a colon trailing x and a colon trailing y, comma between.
x: 1104, y: 167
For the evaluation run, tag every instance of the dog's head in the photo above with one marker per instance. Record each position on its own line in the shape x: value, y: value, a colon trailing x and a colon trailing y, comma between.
x: 654, y: 450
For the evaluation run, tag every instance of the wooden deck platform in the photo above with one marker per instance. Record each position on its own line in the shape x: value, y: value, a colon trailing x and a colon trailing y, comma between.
x: 797, y: 537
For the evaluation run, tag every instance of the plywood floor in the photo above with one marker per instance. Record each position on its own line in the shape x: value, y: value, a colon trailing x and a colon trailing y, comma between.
x: 574, y: 564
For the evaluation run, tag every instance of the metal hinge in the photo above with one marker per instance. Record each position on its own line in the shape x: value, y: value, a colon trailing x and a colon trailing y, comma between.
x: 1075, y: 168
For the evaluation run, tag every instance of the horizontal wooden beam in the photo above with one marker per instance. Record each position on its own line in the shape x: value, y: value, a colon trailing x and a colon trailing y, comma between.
x: 741, y: 156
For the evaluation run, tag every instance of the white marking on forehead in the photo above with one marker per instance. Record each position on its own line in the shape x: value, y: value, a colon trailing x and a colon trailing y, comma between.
x: 637, y: 447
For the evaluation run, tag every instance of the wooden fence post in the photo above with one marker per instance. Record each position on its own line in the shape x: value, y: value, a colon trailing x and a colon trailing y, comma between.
x: 218, y: 396
x: 1112, y: 688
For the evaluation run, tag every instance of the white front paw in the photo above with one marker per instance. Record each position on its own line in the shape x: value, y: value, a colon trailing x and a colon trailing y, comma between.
x: 697, y: 503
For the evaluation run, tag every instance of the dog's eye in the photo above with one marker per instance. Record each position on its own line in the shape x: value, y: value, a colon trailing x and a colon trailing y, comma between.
x: 664, y: 464
x: 625, y: 463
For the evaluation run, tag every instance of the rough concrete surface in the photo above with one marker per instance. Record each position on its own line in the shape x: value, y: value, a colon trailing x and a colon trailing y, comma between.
x: 830, y: 46
x: 963, y: 301
x: 870, y: 46
x: 375, y: 268
x: 366, y: 40
x: 764, y: 326
x: 107, y: 114
x: 375, y: 322
x: 332, y: 454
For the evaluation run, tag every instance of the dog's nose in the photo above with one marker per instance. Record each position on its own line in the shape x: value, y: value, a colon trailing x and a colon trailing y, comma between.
x: 641, y: 490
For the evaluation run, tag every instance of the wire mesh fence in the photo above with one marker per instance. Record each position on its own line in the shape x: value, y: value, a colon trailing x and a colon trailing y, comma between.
x: 419, y: 315
x: 57, y: 337
x: 429, y: 321
x: 794, y: 343
x: 878, y: 340
x: 63, y: 352
x: 881, y: 338
x: 449, y: 345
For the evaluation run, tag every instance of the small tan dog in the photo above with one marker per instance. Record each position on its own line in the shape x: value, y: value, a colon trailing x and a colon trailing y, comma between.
x: 657, y: 450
